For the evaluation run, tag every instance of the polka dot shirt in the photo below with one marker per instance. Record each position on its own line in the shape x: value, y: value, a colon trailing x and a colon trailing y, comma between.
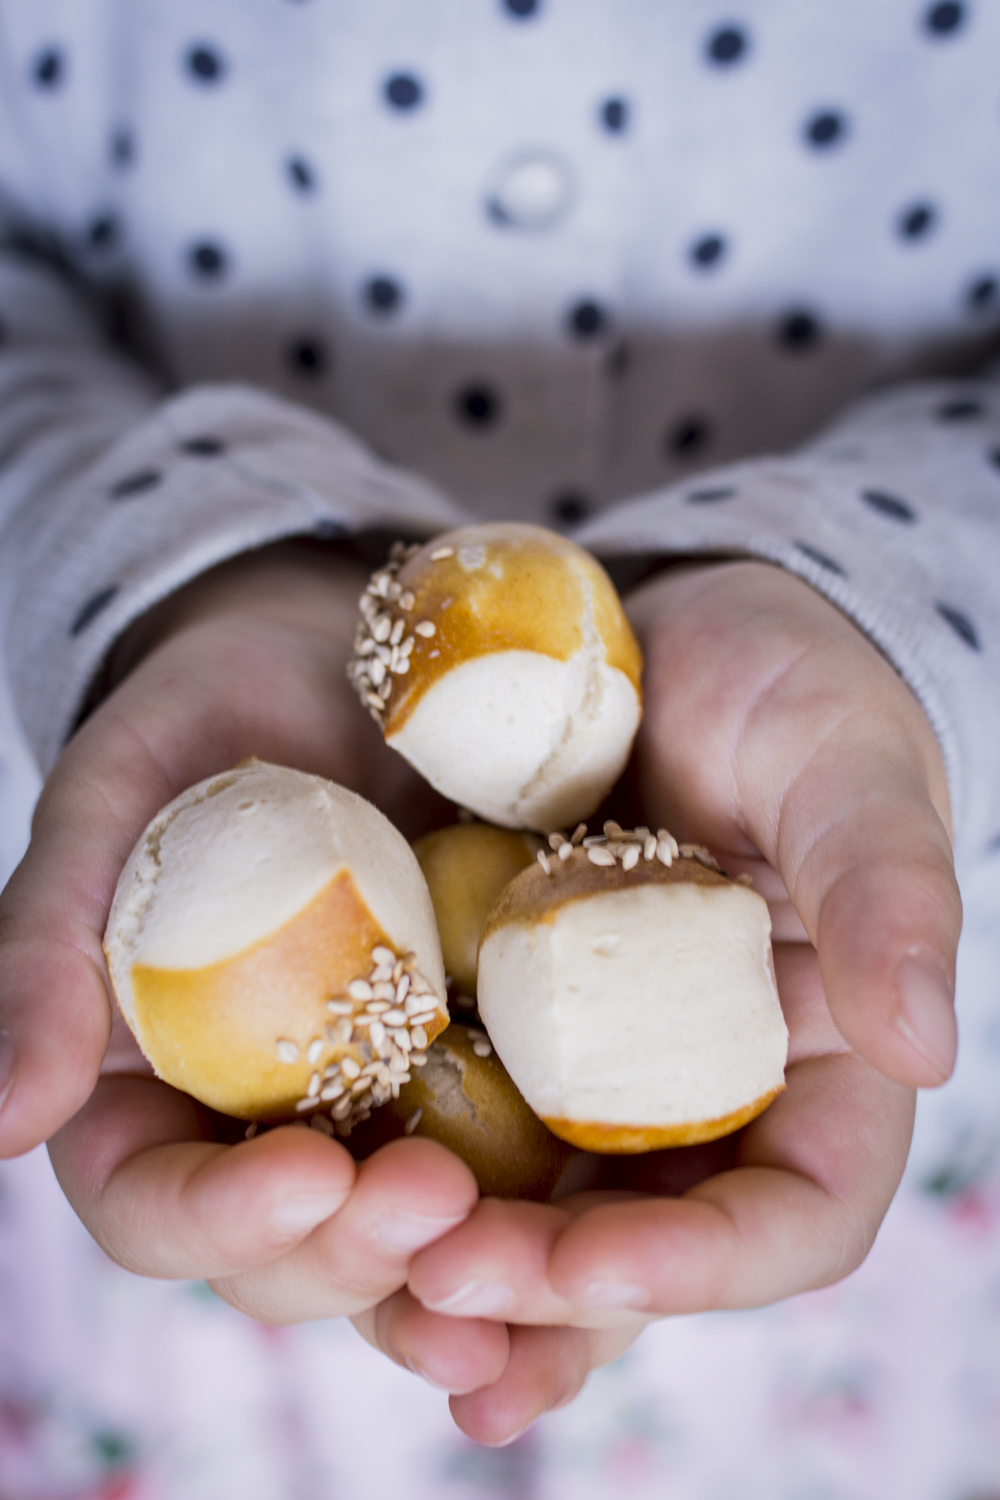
x: 305, y: 267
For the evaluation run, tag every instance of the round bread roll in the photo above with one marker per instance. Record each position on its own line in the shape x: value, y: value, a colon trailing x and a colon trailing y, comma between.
x: 630, y: 992
x: 465, y: 1099
x: 272, y: 946
x: 466, y: 866
x: 499, y: 662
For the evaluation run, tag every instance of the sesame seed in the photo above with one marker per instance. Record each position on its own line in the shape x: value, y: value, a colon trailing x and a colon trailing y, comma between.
x: 344, y: 1030
x: 745, y: 879
x: 377, y: 1007
x: 426, y: 628
x: 383, y: 955
x: 423, y: 1017
x: 397, y: 632
x: 360, y: 1086
x: 593, y: 839
x: 315, y: 1051
x: 376, y: 671
x: 649, y: 847
x: 556, y: 841
x: 599, y: 855
x: 331, y: 1092
x: 565, y: 850
x: 342, y: 1108
x: 397, y: 1061
x: 315, y: 1084
x: 441, y: 553
x: 304, y: 1104
x: 385, y: 990
x: 340, y: 1007
x: 288, y: 1051
x: 349, y: 1068
x: 412, y: 1122
x: 395, y: 1017
x: 407, y: 600
x: 664, y: 853
x: 360, y: 989
x: 373, y: 702
x: 377, y: 1032
x: 631, y: 857
x: 382, y: 627
x: 414, y: 1003
x: 578, y: 834
x: 401, y: 666
x: 406, y: 646
x: 482, y: 1047
x: 250, y: 1131
x: 322, y: 1124
x: 543, y: 860
x: 662, y: 836
x: 381, y: 973
x: 418, y: 1036
x: 613, y: 830
x: 385, y: 690
x: 417, y: 1060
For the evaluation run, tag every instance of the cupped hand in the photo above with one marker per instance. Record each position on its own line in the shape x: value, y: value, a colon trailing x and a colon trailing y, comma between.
x: 778, y: 735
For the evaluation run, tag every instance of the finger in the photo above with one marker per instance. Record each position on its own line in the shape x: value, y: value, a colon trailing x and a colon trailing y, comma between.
x: 164, y: 1199
x: 546, y: 1368
x: 405, y: 1196
x: 817, y: 1172
x: 802, y: 743
x: 452, y: 1354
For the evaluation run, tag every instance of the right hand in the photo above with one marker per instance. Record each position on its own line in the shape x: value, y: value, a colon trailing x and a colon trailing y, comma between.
x: 247, y: 660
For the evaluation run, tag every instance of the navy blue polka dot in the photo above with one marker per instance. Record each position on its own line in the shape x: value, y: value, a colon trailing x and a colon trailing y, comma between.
x: 707, y: 251
x: 300, y: 174
x: 92, y: 609
x: 330, y: 530
x: 383, y: 294
x: 799, y: 331
x: 570, y: 508
x: 478, y: 405
x: 135, y: 484
x: 522, y: 9
x: 983, y: 293
x: 207, y: 260
x: 688, y: 436
x: 203, y: 446
x: 962, y: 409
x: 826, y: 128
x: 403, y: 91
x: 888, y: 505
x: 822, y: 558
x: 307, y: 357
x: 711, y: 495
x: 587, y: 320
x: 121, y: 147
x: 205, y: 63
x: 103, y: 232
x: 49, y: 68
x: 960, y: 624
x: 945, y: 19
x: 614, y: 115
x: 727, y: 45
x: 916, y: 221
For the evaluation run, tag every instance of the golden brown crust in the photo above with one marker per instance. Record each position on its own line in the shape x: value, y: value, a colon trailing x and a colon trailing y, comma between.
x: 590, y: 1135
x: 213, y: 1031
x: 470, y: 1104
x: 534, y: 896
x: 538, y: 604
x: 466, y: 866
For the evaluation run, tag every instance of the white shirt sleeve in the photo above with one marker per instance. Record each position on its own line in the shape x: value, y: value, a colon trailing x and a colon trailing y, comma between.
x: 893, y: 514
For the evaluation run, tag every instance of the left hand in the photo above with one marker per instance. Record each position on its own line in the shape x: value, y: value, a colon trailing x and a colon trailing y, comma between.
x: 776, y: 733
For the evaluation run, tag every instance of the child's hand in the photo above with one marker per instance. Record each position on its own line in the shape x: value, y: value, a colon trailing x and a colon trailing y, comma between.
x: 778, y: 735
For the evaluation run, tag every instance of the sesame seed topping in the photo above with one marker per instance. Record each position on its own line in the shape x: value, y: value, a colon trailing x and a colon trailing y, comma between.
x: 396, y: 635
x: 565, y: 850
x: 382, y: 627
x: 631, y: 857
x: 360, y: 989
x: 349, y: 1068
x: 315, y: 1084
x: 543, y: 860
x: 419, y: 1037
x: 288, y: 1051
x: 304, y: 1104
x: 340, y: 1007
x: 381, y: 973
x: 417, y: 1060
x: 612, y: 830
x: 402, y: 988
x: 343, y: 1031
x: 482, y: 1047
x: 578, y: 834
x: 425, y: 1017
x: 664, y: 853
x: 377, y: 1032
x: 440, y: 553
x: 407, y: 599
x: 649, y: 847
x: 383, y: 955
x: 426, y: 628
x: 593, y: 839
x: 412, y: 1122
x: 250, y: 1131
x: 745, y: 879
x: 599, y: 855
x: 314, y: 1051
x: 342, y: 1108
x: 395, y: 1017
x: 322, y: 1124
x: 331, y: 1092
x: 556, y: 841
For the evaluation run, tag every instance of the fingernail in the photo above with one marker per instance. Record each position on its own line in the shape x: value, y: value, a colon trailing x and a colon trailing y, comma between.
x: 301, y: 1213
x: 476, y: 1299
x: 412, y: 1365
x: 926, y: 1015
x: 405, y: 1233
x: 615, y: 1294
x: 6, y: 1065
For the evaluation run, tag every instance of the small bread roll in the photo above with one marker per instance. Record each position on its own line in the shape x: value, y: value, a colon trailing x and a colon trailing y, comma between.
x: 499, y: 662
x: 466, y: 866
x: 272, y: 946
x: 630, y: 992
x: 465, y: 1099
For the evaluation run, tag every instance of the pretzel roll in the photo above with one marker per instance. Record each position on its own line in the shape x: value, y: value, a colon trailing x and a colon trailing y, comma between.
x: 465, y: 1099
x: 466, y: 866
x: 499, y: 662
x: 630, y: 992
x: 272, y: 946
